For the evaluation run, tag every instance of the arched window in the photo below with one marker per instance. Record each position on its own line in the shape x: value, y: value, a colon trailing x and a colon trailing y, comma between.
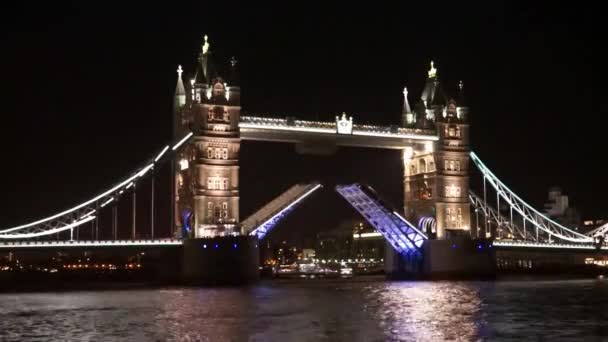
x: 422, y: 166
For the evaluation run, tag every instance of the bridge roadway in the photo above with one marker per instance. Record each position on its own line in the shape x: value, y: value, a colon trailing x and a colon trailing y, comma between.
x: 327, y: 133
x: 29, y: 244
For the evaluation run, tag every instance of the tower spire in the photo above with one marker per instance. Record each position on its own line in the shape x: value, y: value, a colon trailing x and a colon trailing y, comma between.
x: 180, y: 91
x: 407, y: 117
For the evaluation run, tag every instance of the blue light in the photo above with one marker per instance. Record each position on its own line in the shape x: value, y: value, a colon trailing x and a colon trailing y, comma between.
x: 454, y: 246
x: 204, y: 246
x: 216, y: 245
x: 479, y: 246
x: 490, y: 246
x: 234, y: 246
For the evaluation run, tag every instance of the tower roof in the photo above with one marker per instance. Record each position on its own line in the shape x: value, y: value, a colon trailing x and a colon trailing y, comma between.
x: 205, y: 69
x: 406, y: 103
x: 433, y: 94
x: 179, y: 88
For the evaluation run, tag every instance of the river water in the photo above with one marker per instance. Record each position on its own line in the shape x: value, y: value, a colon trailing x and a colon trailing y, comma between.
x: 368, y: 309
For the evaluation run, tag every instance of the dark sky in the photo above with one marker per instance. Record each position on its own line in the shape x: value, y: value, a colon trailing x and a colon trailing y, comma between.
x: 87, y: 92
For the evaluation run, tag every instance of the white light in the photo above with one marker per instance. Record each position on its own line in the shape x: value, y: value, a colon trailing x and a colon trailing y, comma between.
x: 93, y: 200
x: 146, y: 169
x: 87, y: 214
x: 496, y: 183
x: 130, y: 185
x: 396, y: 135
x: 365, y: 235
x: 543, y: 245
x: 254, y: 232
x: 183, y: 164
x: 160, y: 155
x: 111, y: 243
x: 47, y: 232
x: 182, y: 141
x: 107, y: 202
x: 121, y: 192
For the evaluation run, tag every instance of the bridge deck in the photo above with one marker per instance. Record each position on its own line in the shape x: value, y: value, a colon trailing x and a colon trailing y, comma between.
x: 89, y: 243
x: 301, y: 131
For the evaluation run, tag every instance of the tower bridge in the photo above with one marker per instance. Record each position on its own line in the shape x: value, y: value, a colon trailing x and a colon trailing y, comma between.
x: 443, y: 227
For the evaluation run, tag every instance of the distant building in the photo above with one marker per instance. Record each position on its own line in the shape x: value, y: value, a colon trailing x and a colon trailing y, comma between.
x: 559, y: 210
x: 352, y: 239
x: 589, y: 225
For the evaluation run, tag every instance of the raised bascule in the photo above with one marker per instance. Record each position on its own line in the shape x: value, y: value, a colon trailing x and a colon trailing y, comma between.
x: 444, y: 228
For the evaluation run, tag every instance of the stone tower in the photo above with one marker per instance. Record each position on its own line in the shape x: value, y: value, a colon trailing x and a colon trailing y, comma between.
x: 436, y: 183
x: 212, y: 158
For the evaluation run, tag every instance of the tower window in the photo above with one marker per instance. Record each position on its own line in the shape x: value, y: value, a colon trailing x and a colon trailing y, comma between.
x: 218, y: 153
x: 224, y: 153
x: 209, y: 152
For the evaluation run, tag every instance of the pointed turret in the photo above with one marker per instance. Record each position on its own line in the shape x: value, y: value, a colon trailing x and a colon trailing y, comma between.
x: 180, y: 92
x: 407, y: 117
x: 433, y: 95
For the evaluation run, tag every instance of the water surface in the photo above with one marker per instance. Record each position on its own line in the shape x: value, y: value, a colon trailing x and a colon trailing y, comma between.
x: 317, y: 310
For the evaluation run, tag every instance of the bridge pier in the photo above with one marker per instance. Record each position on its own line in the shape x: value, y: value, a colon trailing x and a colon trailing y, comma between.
x: 231, y: 260
x: 455, y: 258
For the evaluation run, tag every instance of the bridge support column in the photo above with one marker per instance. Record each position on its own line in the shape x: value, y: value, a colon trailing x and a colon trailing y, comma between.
x: 455, y: 258
x: 228, y: 260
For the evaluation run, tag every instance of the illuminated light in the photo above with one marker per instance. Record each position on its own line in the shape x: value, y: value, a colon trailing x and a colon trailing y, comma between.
x: 234, y: 245
x: 184, y: 139
x: 432, y: 70
x: 87, y: 214
x: 497, y: 184
x: 145, y: 169
x: 121, y: 192
x: 544, y: 245
x: 411, y: 225
x: 205, y: 246
x: 93, y: 200
x: 365, y: 235
x: 479, y: 246
x: 396, y: 135
x: 344, y: 125
x: 110, y: 243
x: 47, y: 232
x: 160, y: 155
x: 107, y: 202
x: 216, y: 245
x: 283, y: 127
x: 262, y: 232
x: 454, y: 246
x: 183, y: 164
x: 130, y: 185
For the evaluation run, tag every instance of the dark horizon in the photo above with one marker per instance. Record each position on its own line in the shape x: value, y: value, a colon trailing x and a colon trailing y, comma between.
x: 89, y: 93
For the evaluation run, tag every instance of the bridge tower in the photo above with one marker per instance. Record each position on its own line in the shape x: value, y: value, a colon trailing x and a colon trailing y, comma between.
x: 436, y: 183
x: 213, y: 162
x: 207, y: 177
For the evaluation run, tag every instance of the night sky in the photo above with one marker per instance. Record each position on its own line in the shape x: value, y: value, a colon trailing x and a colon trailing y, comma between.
x: 87, y: 94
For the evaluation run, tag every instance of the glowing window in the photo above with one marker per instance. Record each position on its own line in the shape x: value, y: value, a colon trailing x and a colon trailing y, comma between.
x: 224, y: 153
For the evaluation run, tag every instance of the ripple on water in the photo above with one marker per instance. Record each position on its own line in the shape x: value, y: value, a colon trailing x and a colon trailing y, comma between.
x: 316, y: 310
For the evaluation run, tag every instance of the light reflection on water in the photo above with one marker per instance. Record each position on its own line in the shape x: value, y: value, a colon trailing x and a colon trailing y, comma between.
x: 316, y: 310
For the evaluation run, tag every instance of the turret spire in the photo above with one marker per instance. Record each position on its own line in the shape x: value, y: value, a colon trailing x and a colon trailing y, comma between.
x: 432, y: 70
x: 180, y: 91
x: 407, y: 117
